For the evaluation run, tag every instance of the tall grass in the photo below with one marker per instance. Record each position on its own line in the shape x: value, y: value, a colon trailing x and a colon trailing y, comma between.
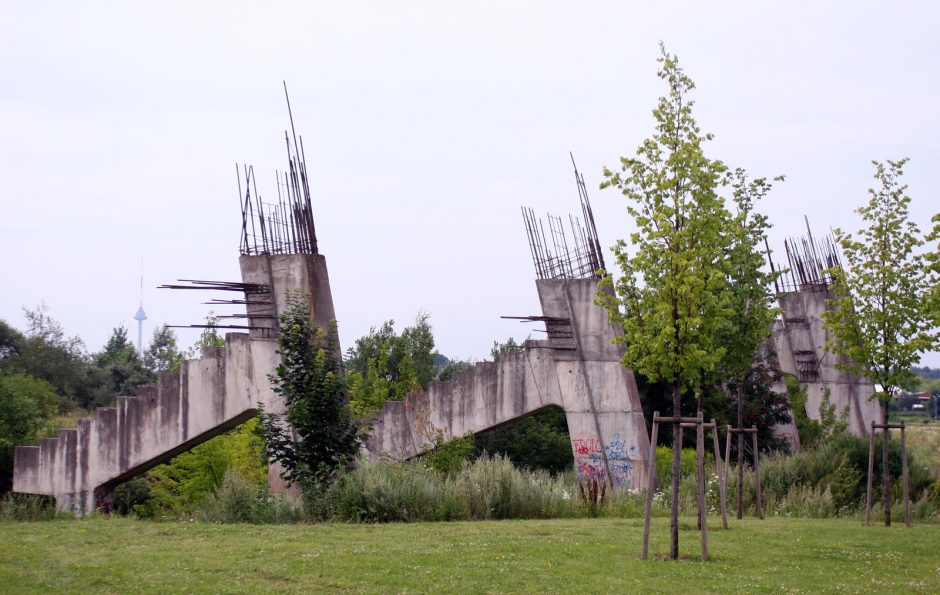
x: 486, y: 488
x: 804, y: 483
x: 238, y: 500
x: 27, y: 507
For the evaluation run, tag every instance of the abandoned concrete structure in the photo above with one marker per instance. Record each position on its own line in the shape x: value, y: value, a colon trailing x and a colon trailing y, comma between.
x: 82, y: 466
x: 799, y: 338
x: 575, y: 368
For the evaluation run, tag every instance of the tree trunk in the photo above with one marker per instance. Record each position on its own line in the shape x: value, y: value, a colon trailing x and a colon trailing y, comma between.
x: 699, y: 470
x: 740, y: 511
x: 676, y: 471
x: 885, y: 471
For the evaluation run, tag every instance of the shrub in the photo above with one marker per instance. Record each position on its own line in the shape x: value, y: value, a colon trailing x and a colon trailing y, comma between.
x: 382, y: 492
x: 449, y: 456
x: 486, y: 488
x: 664, y: 463
x: 844, y: 486
x: 131, y: 496
x: 27, y: 507
x: 238, y: 500
x: 810, y: 482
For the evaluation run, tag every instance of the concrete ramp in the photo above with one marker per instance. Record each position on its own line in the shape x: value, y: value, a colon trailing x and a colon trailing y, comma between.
x: 576, y: 368
x: 208, y: 396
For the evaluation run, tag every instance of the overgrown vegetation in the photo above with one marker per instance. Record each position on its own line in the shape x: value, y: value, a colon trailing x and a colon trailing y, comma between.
x: 385, y: 366
x: 814, y: 432
x: 178, y: 488
x: 317, y: 436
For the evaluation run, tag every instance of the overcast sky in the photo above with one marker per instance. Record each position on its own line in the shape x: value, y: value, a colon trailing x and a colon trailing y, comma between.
x: 426, y: 125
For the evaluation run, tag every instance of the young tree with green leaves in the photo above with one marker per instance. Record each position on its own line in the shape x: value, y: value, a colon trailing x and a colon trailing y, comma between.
x: 208, y: 339
x: 670, y: 298
x: 120, y: 368
x: 26, y: 407
x: 879, y: 320
x: 749, y: 298
x: 317, y: 435
x: 933, y: 271
x: 384, y: 366
x: 163, y: 354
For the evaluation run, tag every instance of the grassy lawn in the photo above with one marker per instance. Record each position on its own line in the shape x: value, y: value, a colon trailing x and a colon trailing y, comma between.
x: 587, y: 555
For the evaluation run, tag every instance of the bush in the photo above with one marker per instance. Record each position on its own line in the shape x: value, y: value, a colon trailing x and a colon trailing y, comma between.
x: 27, y: 507
x: 380, y: 493
x: 819, y: 481
x: 846, y: 480
x: 238, y: 500
x: 131, y: 496
x: 449, y: 456
x: 664, y: 463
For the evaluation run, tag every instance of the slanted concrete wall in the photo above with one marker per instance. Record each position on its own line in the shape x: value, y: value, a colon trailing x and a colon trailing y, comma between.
x: 576, y: 368
x: 800, y: 341
x: 82, y: 466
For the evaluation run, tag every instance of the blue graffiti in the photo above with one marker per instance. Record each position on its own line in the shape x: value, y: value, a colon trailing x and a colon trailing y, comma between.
x: 590, y: 455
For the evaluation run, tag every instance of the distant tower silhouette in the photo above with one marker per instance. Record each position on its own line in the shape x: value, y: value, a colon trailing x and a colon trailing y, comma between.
x: 140, y: 317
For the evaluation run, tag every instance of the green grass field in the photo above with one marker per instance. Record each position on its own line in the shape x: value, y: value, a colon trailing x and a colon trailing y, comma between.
x: 585, y: 555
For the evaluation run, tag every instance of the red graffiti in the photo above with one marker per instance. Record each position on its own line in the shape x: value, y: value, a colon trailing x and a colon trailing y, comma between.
x: 589, y: 471
x: 586, y: 446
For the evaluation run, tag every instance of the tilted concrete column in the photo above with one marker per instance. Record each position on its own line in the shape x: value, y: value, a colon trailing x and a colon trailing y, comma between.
x: 799, y: 338
x: 306, y: 273
x: 576, y: 368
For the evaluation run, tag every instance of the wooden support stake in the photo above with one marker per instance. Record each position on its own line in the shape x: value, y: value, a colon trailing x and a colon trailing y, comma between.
x: 702, y: 509
x: 904, y: 479
x: 650, y: 483
x: 727, y: 454
x: 760, y: 507
x: 700, y: 488
x: 719, y: 469
x: 871, y: 471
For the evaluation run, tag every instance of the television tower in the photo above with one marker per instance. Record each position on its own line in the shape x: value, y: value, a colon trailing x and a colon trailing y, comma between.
x: 140, y: 317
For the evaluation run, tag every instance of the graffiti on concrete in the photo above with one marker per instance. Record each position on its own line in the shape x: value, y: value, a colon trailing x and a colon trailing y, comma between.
x: 589, y: 459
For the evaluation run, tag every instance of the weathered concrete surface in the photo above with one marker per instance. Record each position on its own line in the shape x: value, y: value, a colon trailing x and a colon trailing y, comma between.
x: 800, y: 341
x: 576, y: 369
x: 207, y: 397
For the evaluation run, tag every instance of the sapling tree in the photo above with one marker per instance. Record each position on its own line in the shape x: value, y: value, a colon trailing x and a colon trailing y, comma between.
x: 933, y: 272
x: 879, y: 319
x: 316, y: 436
x: 670, y: 300
x: 749, y: 298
